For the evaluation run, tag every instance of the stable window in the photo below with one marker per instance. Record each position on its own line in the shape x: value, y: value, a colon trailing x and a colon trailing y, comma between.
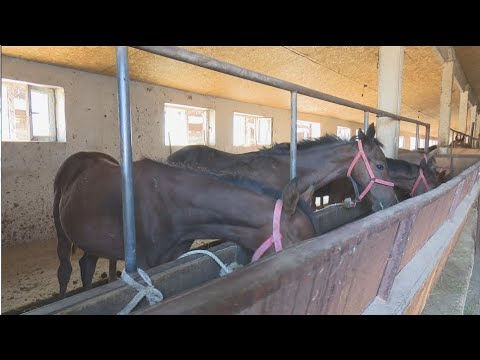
x: 413, y: 141
x: 30, y: 112
x: 251, y: 130
x: 401, y: 141
x: 188, y: 125
x: 343, y: 132
x: 307, y: 130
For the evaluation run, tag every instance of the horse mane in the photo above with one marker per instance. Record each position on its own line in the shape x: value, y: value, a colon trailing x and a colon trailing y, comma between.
x: 400, y: 164
x: 237, y: 180
x: 225, y: 176
x: 305, y: 144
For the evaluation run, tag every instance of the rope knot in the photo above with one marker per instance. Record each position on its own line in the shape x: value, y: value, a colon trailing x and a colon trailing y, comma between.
x: 233, y: 266
x: 152, y: 294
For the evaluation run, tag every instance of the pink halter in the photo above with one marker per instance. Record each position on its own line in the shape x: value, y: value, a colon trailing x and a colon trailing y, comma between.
x: 373, y: 180
x: 420, y: 177
x: 275, y: 238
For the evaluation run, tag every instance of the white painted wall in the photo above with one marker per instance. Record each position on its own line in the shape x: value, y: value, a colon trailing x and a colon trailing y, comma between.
x: 28, y: 169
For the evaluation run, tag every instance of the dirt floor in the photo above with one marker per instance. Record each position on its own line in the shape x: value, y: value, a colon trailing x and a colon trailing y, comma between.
x: 29, y: 275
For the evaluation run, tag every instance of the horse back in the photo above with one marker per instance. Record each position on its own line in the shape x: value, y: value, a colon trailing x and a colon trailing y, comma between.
x: 75, y: 164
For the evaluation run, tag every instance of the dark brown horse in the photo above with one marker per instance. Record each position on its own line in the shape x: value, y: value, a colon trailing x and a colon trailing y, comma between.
x: 174, y: 206
x: 460, y: 142
x: 319, y: 162
x: 416, y: 157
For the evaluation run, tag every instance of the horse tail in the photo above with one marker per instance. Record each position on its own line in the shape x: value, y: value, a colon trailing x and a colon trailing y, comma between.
x: 64, y: 246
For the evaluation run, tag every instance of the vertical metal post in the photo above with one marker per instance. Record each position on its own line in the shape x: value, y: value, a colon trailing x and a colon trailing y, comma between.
x: 417, y: 137
x: 472, y: 132
x: 293, y: 136
x: 365, y: 121
x: 128, y: 203
x: 427, y: 138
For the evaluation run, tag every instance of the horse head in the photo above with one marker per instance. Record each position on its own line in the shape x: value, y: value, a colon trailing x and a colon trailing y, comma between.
x: 371, y: 176
x: 429, y: 170
x: 292, y: 222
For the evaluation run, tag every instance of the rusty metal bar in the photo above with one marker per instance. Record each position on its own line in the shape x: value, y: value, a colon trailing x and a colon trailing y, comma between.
x: 293, y: 136
x: 427, y: 138
x: 207, y: 62
x: 128, y: 203
x: 459, y: 156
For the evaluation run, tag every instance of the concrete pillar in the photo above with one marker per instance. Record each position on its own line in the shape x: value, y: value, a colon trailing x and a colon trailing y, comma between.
x: 471, y: 119
x: 462, y: 112
x: 477, y: 125
x: 390, y: 73
x: 445, y: 105
x: 467, y: 122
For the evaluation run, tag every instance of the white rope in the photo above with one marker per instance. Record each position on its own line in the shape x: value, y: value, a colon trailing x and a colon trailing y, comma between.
x: 152, y: 294
x: 347, y: 203
x: 225, y: 269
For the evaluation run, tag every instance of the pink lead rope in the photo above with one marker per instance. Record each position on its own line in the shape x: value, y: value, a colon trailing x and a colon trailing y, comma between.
x: 373, y: 180
x: 275, y: 238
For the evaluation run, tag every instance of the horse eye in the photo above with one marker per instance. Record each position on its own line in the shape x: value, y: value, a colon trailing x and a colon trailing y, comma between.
x: 380, y: 167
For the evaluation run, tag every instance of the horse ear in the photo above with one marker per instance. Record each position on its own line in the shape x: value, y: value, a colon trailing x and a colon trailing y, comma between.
x: 308, y: 195
x: 290, y: 196
x: 423, y: 162
x: 371, y: 131
x: 361, y: 135
x: 431, y: 160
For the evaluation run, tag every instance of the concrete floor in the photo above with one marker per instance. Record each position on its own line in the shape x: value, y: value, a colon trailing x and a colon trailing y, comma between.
x: 472, y: 304
x: 457, y: 290
x: 29, y: 275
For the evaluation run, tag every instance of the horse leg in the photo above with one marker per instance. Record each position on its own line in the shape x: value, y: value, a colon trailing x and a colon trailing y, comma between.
x: 64, y: 249
x: 112, y: 270
x: 64, y: 271
x: 88, y: 262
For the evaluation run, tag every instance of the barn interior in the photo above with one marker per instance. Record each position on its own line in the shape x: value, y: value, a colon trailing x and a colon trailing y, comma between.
x: 218, y: 110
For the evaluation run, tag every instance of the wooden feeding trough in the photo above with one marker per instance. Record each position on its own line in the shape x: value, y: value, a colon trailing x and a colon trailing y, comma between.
x: 384, y: 263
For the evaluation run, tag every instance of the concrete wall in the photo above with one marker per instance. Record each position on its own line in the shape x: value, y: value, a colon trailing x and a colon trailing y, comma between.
x: 28, y: 168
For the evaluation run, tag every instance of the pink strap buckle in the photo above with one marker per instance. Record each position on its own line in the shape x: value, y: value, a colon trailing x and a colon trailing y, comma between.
x: 373, y: 180
x: 275, y: 238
